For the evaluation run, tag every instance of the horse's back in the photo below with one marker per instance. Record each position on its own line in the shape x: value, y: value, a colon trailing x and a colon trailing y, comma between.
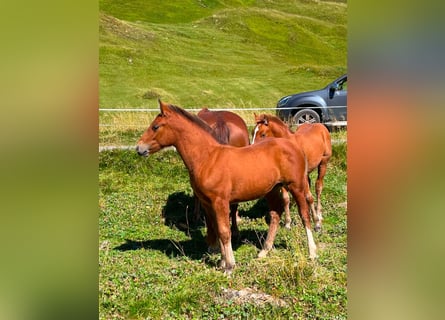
x: 314, y: 138
x: 239, y: 137
x: 312, y: 128
x: 269, y: 153
x: 238, y: 134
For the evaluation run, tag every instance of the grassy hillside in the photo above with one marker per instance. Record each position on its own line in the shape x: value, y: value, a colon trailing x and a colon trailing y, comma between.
x: 217, y: 53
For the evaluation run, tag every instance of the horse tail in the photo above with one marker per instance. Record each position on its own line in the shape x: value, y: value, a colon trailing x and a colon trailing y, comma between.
x: 222, y: 131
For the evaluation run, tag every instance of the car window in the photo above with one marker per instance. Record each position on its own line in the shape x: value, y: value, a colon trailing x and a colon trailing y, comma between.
x: 343, y: 85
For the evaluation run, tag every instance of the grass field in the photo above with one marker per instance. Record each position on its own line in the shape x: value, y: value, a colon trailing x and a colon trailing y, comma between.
x: 219, y: 54
x: 222, y: 54
x: 153, y: 262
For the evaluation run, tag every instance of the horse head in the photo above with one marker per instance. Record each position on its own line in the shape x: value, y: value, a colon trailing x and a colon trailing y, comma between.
x: 261, y: 129
x: 270, y: 126
x: 158, y: 134
x: 261, y: 119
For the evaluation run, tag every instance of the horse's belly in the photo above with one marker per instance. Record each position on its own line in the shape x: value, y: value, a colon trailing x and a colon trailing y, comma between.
x: 251, y: 190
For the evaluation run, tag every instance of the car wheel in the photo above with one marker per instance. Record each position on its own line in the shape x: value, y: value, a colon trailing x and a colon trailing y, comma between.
x: 306, y: 116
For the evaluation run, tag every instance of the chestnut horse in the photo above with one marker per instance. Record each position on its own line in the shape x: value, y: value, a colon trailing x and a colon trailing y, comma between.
x: 313, y: 138
x: 229, y: 128
x: 222, y: 174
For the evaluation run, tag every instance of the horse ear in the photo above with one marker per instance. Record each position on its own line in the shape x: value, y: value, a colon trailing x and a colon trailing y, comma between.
x: 266, y: 120
x: 163, y: 106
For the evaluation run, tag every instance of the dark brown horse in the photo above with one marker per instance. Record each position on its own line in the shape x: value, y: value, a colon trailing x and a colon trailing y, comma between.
x: 315, y: 141
x: 222, y: 174
x: 229, y: 128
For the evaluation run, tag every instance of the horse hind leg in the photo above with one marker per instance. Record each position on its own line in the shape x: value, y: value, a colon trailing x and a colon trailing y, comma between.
x: 319, y: 188
x: 197, y: 209
x: 303, y: 210
x: 311, y: 204
x: 275, y: 203
x: 235, y: 219
x: 286, y: 204
x: 211, y: 237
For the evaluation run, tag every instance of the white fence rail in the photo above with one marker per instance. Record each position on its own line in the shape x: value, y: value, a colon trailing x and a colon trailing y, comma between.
x: 124, y: 145
x: 198, y: 109
x: 338, y: 123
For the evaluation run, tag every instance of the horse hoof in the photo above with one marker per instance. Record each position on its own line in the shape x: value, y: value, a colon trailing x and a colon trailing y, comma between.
x: 228, y: 271
x: 313, y: 256
x: 287, y: 226
x: 262, y: 254
x: 317, y: 228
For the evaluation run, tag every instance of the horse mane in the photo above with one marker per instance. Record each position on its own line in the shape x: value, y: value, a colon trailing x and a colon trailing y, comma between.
x: 194, y: 119
x: 221, y: 131
x: 278, y: 121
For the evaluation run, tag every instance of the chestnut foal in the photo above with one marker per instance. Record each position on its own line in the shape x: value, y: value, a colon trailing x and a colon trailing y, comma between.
x: 314, y: 139
x: 222, y: 174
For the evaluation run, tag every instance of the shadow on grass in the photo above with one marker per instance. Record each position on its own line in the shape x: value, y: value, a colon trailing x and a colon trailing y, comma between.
x: 178, y: 212
x: 195, y: 248
x: 258, y: 210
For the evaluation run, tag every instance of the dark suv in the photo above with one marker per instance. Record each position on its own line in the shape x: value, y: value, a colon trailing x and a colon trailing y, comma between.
x: 328, y: 105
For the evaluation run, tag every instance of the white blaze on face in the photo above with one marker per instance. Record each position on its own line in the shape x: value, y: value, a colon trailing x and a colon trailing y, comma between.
x: 255, y: 132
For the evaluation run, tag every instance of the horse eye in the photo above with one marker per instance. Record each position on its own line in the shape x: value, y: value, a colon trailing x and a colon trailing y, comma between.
x: 263, y: 135
x: 155, y: 127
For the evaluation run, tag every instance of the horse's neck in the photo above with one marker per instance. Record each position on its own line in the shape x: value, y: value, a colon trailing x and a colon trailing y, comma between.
x: 194, y: 145
x: 281, y: 131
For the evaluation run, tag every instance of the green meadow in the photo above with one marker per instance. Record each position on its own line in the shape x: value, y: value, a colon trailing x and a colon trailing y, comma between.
x: 219, y: 54
x: 153, y: 260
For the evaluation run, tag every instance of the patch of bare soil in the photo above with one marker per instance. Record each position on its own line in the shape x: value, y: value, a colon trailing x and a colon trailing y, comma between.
x: 251, y: 296
x: 123, y: 29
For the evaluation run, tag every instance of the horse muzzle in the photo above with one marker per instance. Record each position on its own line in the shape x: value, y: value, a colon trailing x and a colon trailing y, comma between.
x: 142, y: 150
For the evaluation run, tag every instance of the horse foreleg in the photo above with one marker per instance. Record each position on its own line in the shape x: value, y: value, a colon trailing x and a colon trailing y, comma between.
x: 275, y: 202
x: 221, y: 208
x: 303, y: 210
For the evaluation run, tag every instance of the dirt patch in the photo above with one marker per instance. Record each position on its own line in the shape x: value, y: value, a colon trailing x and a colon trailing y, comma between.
x: 123, y: 29
x: 251, y: 296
